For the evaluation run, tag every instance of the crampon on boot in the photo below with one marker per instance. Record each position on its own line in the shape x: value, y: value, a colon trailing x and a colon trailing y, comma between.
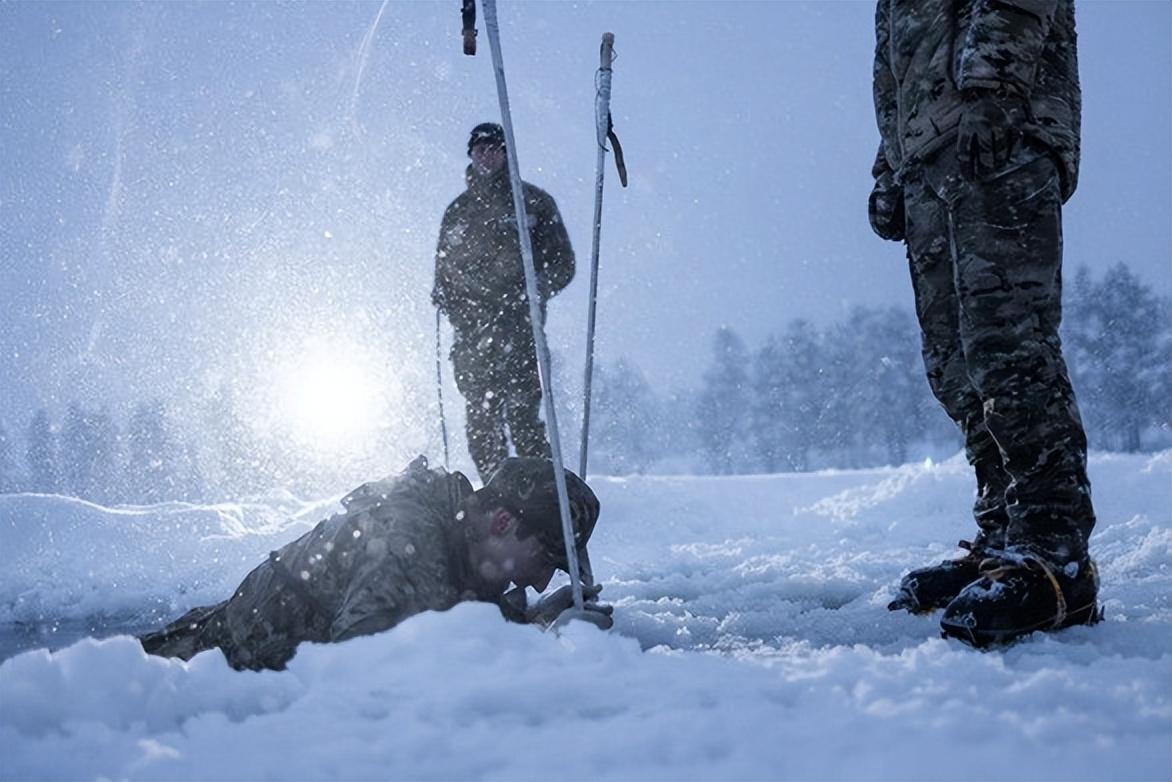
x: 924, y: 590
x: 1016, y: 595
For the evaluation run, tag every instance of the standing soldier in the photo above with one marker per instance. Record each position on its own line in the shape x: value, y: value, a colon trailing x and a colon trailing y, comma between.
x: 480, y: 285
x: 978, y: 105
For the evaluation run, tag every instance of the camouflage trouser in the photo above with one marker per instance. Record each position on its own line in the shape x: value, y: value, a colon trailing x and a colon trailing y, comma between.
x: 258, y: 628
x: 496, y: 371
x: 986, y: 263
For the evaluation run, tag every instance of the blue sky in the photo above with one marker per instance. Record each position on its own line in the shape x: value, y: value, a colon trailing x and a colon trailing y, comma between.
x: 189, y: 193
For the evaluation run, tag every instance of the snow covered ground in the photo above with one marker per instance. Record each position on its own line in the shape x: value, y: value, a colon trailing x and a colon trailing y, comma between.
x: 751, y: 642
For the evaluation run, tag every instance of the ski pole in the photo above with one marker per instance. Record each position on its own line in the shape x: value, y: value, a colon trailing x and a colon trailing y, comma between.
x: 493, y: 29
x: 439, y: 389
x: 602, y: 122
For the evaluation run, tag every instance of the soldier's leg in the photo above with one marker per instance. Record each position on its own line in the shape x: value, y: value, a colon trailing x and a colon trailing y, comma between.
x: 196, y: 631
x: 483, y: 405
x: 1008, y: 243
x: 526, y: 426
x: 485, y: 426
x: 523, y: 405
x: 933, y: 274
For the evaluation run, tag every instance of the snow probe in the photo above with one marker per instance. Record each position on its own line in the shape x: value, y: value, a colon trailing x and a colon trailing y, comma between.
x: 439, y: 389
x: 603, y: 129
x: 543, y: 363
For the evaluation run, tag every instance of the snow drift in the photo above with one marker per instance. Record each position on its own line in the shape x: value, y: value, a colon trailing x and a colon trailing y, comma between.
x: 751, y: 642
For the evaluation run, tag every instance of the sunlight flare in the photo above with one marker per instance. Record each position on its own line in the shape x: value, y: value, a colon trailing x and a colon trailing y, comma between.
x: 328, y: 396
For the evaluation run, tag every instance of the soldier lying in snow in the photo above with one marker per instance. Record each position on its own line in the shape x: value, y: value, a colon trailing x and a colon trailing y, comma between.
x: 420, y: 541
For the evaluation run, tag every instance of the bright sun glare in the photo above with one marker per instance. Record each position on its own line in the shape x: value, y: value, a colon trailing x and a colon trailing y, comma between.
x: 328, y: 396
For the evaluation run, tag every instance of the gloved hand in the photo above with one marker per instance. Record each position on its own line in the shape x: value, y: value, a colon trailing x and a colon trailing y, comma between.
x: 550, y: 607
x: 988, y: 133
x: 885, y: 209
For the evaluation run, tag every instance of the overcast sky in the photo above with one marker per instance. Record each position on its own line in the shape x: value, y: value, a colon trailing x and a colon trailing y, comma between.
x: 190, y: 193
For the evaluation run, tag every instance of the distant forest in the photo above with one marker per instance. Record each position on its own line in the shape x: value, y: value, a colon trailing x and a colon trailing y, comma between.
x: 849, y: 395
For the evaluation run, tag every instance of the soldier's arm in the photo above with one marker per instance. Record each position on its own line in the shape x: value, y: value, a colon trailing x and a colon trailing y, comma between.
x: 441, y: 292
x: 555, y: 259
x: 883, y: 84
x: 369, y: 606
x: 1004, y: 43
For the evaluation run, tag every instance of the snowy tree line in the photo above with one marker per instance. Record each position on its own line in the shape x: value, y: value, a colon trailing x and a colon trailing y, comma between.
x: 851, y: 394
x: 854, y: 394
x: 88, y: 455
x: 151, y: 457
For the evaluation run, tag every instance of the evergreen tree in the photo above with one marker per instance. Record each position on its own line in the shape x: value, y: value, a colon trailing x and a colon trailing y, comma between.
x: 107, y: 482
x: 886, y: 381
x: 89, y: 455
x: 77, y: 452
x: 676, y: 430
x: 152, y: 464
x: 1114, y: 334
x: 43, y: 471
x: 767, y: 408
x: 1161, y: 370
x: 805, y: 394
x: 567, y: 383
x: 242, y: 469
x: 723, y: 406
x: 624, y: 420
x: 8, y: 478
x: 192, y: 486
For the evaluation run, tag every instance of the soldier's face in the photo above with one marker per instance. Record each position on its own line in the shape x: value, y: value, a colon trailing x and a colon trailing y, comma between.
x: 487, y: 158
x: 507, y: 557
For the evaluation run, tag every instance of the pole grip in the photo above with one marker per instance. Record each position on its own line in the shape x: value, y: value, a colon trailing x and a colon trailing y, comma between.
x: 468, y: 16
x: 606, y: 53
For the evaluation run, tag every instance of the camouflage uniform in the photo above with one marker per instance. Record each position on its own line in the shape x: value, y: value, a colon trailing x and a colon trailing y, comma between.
x: 480, y: 284
x: 985, y: 254
x: 397, y: 551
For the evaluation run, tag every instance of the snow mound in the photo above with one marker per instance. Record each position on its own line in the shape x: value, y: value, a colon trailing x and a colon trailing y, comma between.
x: 751, y: 642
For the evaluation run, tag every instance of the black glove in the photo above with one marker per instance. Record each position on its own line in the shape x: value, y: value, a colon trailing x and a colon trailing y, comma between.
x: 885, y: 209
x: 989, y: 132
x: 550, y: 607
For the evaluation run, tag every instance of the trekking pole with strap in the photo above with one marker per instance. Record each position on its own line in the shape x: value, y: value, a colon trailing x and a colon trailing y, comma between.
x: 543, y: 363
x: 603, y: 129
x: 439, y: 389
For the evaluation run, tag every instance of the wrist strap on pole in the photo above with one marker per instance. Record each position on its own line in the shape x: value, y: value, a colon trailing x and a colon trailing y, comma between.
x: 468, y: 14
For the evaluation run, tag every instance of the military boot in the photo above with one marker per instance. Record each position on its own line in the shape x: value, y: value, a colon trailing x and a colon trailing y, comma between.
x: 924, y: 590
x: 1018, y: 594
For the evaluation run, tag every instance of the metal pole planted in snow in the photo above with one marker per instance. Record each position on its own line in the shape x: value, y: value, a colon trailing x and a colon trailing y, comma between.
x: 602, y: 126
x: 491, y: 26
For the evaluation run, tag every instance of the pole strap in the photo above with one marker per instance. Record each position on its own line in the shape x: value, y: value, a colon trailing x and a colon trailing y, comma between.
x: 468, y: 14
x: 619, y: 163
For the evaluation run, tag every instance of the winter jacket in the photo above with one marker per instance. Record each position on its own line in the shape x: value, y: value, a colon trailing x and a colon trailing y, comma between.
x: 928, y: 51
x: 398, y: 550
x: 479, y: 279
